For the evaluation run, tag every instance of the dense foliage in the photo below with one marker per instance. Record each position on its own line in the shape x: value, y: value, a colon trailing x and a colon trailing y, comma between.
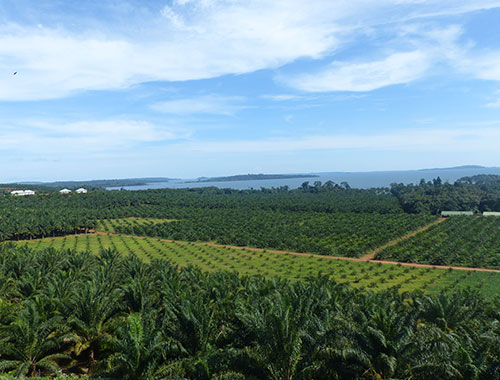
x: 119, y: 318
x: 52, y: 214
x: 55, y: 214
x: 477, y: 193
x: 462, y: 240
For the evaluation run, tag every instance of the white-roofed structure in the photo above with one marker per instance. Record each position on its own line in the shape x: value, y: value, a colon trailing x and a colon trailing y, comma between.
x: 81, y: 190
x: 22, y: 192
x: 491, y: 213
x: 65, y: 191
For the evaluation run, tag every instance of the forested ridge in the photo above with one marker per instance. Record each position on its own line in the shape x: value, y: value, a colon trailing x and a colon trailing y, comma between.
x: 115, y: 317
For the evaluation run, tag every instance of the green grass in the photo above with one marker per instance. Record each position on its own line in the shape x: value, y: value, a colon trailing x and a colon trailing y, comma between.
x: 363, y: 275
x: 469, y: 241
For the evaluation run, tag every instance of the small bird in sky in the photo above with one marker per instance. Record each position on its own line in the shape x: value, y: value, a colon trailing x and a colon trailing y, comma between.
x: 15, y: 72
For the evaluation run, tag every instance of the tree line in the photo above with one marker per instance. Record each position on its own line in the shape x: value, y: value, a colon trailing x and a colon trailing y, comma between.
x: 477, y: 193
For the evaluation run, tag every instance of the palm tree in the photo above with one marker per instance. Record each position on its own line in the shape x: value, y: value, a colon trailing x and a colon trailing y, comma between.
x: 142, y: 352
x: 91, y: 311
x: 279, y: 330
x: 32, y: 344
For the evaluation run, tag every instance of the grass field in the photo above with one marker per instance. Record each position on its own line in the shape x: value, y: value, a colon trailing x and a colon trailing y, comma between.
x: 373, y: 276
x: 462, y: 240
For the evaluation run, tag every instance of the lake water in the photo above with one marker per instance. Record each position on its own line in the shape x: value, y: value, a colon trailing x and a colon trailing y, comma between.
x: 362, y: 180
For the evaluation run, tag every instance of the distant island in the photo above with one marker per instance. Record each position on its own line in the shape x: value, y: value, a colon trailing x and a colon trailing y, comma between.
x: 97, y: 183
x: 252, y: 177
x: 456, y: 168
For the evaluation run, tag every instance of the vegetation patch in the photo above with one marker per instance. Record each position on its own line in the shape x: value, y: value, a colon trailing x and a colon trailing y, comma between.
x: 113, y: 225
x: 469, y: 241
x: 113, y: 316
x: 361, y: 275
x: 337, y: 234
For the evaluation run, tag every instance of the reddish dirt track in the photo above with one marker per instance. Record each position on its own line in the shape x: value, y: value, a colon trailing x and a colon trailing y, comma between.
x: 360, y: 259
x: 372, y: 254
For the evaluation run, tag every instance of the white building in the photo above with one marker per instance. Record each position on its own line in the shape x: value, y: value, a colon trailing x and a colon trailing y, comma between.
x: 65, y: 191
x: 22, y: 192
x: 491, y: 213
x: 81, y: 190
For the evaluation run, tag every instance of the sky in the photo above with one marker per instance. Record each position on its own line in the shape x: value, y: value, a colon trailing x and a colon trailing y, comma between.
x: 187, y: 88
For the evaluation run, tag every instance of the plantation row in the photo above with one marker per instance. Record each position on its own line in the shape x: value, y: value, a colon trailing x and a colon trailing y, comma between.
x: 113, y: 225
x: 53, y: 214
x: 362, y: 275
x: 465, y: 241
x: 340, y: 234
x: 119, y: 318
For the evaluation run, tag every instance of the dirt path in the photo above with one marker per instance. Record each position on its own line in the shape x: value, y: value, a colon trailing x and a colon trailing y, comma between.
x: 360, y: 259
x: 372, y: 254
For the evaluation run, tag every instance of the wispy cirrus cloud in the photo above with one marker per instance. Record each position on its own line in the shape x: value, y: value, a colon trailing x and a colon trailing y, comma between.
x: 424, y: 48
x: 468, y: 140
x: 206, y: 104
x: 84, y: 136
x: 495, y: 103
x: 397, y: 68
x: 282, y: 97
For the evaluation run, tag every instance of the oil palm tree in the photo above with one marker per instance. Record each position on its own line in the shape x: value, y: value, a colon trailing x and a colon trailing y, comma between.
x: 91, y: 314
x: 32, y: 344
x: 143, y: 352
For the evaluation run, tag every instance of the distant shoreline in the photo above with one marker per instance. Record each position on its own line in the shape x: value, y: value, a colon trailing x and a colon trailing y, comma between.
x: 253, y: 177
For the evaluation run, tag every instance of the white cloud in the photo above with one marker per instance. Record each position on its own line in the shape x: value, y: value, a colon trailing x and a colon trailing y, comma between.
x: 481, y: 65
x: 424, y: 48
x: 366, y: 76
x: 496, y: 103
x: 194, y: 39
x: 437, y: 140
x: 282, y: 97
x: 207, y: 104
x: 85, y: 136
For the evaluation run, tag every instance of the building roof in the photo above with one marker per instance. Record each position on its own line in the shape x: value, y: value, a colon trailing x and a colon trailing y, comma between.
x: 65, y: 191
x: 491, y: 213
x: 456, y: 213
x: 22, y: 192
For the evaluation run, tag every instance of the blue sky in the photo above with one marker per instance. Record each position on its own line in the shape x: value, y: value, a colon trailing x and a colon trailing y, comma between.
x: 187, y: 88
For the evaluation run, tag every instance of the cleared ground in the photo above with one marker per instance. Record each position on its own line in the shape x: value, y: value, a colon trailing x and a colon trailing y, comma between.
x: 369, y: 275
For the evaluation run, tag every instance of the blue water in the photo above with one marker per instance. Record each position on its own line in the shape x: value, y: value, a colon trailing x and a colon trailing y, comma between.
x: 361, y: 180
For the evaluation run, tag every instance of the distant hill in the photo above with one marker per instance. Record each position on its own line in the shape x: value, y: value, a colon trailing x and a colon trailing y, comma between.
x: 456, y: 168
